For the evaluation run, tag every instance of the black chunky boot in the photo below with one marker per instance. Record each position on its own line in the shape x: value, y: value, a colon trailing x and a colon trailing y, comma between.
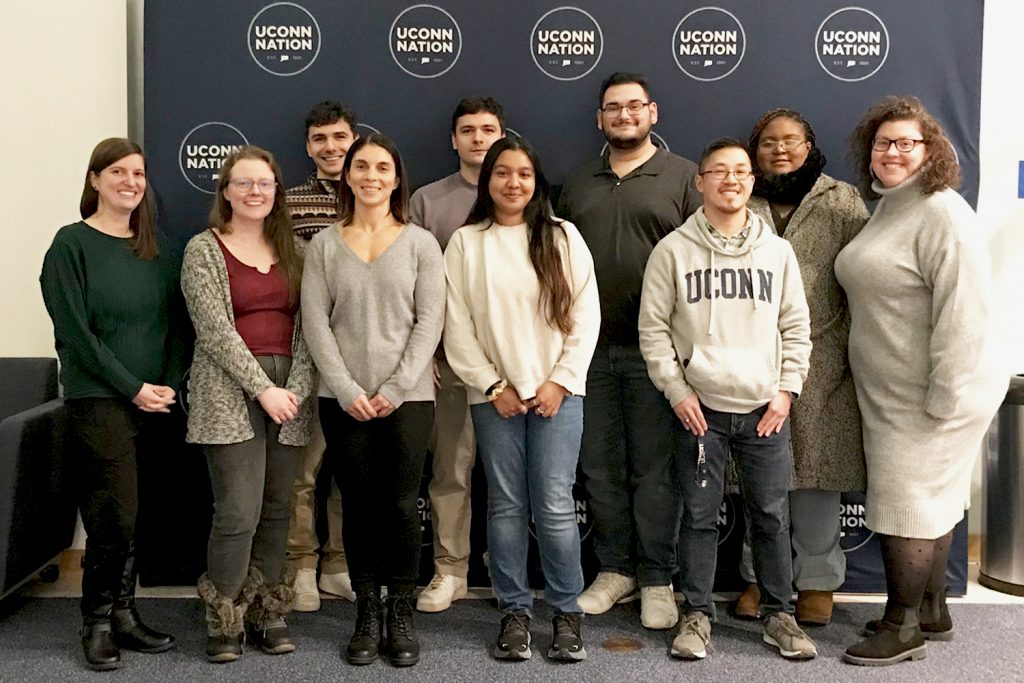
x: 129, y: 631
x: 402, y: 649
x: 265, y: 618
x: 364, y: 646
x: 98, y: 589
x: 898, y: 638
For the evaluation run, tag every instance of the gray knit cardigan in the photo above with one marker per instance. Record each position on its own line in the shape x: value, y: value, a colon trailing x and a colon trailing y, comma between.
x: 224, y: 371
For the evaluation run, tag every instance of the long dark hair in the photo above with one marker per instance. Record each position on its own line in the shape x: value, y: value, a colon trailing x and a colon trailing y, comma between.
x: 142, y: 222
x: 277, y: 226
x: 555, y: 293
x: 940, y: 171
x: 399, y: 196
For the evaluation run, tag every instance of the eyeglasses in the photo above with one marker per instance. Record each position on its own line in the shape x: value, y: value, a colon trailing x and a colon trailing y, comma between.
x: 634, y: 107
x: 902, y: 144
x: 245, y: 185
x: 720, y: 174
x: 789, y: 144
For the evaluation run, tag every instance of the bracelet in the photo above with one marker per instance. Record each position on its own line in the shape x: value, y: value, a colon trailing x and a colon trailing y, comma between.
x: 494, y: 391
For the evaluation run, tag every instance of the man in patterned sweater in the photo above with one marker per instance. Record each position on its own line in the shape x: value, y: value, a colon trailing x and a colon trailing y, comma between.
x: 330, y: 131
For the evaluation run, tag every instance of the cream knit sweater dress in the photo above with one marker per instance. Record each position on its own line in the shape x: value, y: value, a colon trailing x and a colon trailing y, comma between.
x: 924, y: 356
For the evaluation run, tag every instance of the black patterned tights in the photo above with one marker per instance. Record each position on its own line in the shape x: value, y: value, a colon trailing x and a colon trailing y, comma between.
x: 915, y: 572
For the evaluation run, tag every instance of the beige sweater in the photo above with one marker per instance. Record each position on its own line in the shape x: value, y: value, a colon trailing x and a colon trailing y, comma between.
x: 495, y: 328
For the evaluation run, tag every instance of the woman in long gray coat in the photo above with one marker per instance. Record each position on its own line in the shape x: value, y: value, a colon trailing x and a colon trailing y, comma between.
x: 819, y: 215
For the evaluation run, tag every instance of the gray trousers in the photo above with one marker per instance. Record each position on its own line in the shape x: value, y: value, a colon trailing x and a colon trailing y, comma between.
x: 819, y: 563
x: 252, y: 487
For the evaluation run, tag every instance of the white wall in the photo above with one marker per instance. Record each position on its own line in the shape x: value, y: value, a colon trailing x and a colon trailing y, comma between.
x: 65, y: 90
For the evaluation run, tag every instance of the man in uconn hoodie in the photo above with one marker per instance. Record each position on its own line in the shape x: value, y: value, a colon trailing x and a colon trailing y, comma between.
x: 725, y: 331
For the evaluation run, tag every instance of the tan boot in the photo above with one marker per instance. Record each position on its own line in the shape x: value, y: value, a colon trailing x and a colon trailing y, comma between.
x: 749, y: 604
x: 814, y: 607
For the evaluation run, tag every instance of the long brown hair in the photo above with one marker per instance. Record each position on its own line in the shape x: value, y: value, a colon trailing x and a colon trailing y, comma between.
x: 940, y: 171
x: 555, y: 293
x: 142, y: 221
x: 399, y: 203
x: 277, y: 226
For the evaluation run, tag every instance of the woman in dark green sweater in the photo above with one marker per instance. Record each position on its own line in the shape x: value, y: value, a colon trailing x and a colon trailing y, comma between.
x: 110, y: 291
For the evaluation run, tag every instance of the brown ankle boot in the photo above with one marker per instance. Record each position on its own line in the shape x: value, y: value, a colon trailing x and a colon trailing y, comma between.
x: 749, y: 604
x: 814, y: 607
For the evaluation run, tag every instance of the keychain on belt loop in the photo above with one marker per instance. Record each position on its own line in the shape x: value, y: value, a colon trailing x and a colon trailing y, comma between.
x: 702, y: 466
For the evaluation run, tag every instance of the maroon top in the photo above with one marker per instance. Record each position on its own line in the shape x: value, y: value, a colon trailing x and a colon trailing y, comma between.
x: 263, y: 317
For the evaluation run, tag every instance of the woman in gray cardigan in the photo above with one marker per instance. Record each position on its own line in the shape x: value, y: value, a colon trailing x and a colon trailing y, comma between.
x: 818, y: 215
x: 373, y: 298
x: 249, y: 401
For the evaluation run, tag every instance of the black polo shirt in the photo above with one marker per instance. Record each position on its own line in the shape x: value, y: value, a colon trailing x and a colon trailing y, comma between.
x: 621, y: 220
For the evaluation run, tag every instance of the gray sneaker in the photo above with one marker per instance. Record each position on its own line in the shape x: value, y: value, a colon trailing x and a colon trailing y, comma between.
x: 693, y: 641
x: 782, y: 632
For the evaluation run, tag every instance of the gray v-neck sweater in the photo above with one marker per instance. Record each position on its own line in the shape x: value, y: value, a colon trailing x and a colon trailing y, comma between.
x: 373, y: 327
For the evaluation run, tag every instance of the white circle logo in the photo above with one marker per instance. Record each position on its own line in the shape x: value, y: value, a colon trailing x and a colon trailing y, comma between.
x: 364, y: 129
x: 203, y: 151
x: 581, y: 505
x: 727, y: 514
x: 425, y: 41
x: 566, y: 43
x: 709, y: 43
x: 284, y: 39
x: 855, y: 532
x: 851, y: 44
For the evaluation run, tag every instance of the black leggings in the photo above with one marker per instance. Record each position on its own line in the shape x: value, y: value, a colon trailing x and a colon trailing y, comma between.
x: 378, y: 466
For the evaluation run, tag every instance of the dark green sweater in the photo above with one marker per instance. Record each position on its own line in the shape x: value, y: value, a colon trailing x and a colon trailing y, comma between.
x: 112, y: 314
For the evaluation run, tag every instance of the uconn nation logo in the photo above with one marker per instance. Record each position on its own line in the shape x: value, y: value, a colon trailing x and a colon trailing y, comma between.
x: 203, y: 151
x: 425, y: 41
x: 284, y: 39
x: 854, y: 533
x: 581, y: 506
x: 709, y: 43
x: 852, y: 44
x: 566, y: 43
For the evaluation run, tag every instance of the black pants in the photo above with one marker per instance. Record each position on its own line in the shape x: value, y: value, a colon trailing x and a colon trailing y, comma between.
x: 105, y: 433
x: 378, y: 466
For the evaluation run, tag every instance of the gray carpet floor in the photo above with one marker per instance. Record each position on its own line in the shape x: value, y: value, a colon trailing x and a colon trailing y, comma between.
x: 38, y: 642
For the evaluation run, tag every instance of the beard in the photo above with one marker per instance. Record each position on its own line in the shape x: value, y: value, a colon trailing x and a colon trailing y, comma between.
x: 626, y: 144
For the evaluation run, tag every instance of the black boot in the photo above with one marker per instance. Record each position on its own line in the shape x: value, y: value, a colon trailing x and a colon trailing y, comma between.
x: 936, y: 624
x: 265, y: 618
x: 402, y: 649
x: 364, y: 646
x: 898, y: 638
x: 98, y: 590
x: 225, y: 620
x: 101, y: 653
x: 129, y: 631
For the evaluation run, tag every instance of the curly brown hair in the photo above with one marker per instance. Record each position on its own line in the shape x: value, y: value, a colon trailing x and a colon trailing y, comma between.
x: 940, y: 171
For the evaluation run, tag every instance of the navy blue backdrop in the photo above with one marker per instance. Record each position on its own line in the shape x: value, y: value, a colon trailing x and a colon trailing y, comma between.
x: 219, y: 74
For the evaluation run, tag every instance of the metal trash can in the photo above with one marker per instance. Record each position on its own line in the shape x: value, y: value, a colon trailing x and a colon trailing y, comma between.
x: 1002, y: 524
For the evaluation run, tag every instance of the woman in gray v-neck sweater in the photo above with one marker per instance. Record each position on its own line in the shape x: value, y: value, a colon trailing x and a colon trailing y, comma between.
x: 373, y: 297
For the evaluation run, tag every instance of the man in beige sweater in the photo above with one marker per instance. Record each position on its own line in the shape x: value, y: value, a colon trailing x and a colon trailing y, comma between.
x: 725, y: 332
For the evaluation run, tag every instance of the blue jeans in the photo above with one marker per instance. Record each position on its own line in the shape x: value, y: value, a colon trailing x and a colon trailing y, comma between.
x: 530, y: 463
x: 626, y: 462
x: 764, y: 465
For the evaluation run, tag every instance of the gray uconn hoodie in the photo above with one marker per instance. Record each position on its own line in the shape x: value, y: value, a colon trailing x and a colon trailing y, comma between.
x: 732, y: 327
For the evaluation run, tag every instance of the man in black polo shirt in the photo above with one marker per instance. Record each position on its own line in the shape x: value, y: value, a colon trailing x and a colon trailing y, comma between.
x: 624, y: 203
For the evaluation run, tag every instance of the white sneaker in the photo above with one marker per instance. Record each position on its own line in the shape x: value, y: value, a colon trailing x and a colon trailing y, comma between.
x: 658, y: 607
x: 442, y: 591
x: 307, y: 597
x: 608, y: 588
x: 782, y: 632
x: 693, y: 641
x: 339, y: 584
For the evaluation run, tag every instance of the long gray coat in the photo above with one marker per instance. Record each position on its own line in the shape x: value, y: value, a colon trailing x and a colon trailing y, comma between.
x: 826, y: 428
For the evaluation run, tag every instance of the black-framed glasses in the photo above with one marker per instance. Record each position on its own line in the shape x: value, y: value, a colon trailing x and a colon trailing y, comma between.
x: 720, y: 174
x: 246, y: 184
x: 789, y: 143
x: 634, y: 107
x: 902, y: 144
